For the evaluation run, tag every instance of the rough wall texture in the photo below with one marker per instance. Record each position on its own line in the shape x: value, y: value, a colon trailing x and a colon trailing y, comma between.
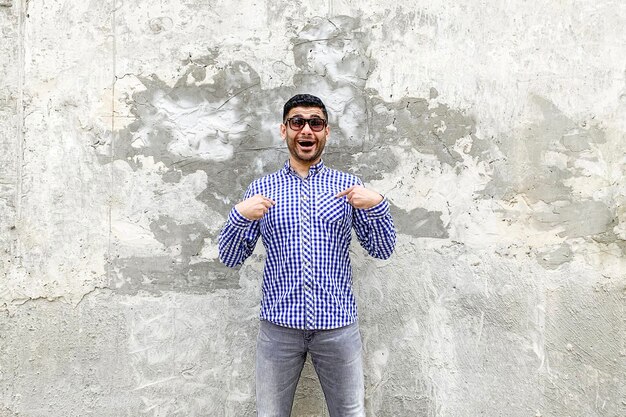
x: 497, y: 131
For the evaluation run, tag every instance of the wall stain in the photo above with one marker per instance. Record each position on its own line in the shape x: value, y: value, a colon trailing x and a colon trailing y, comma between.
x: 182, y: 273
x: 539, y: 165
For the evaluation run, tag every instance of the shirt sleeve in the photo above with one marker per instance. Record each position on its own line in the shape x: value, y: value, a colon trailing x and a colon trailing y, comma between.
x: 375, y: 229
x: 238, y: 237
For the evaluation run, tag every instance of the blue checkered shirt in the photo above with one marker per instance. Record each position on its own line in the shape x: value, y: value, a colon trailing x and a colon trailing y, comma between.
x: 307, y: 280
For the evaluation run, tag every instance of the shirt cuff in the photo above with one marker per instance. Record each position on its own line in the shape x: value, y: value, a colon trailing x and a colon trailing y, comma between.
x: 237, y: 219
x: 379, y: 210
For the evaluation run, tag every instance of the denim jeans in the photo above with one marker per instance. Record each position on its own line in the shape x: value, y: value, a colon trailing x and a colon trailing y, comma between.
x: 336, y: 357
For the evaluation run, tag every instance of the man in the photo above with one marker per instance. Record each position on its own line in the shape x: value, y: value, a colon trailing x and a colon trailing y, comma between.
x: 305, y: 213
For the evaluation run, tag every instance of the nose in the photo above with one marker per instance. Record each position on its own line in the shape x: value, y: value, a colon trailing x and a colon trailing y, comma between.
x: 307, y: 128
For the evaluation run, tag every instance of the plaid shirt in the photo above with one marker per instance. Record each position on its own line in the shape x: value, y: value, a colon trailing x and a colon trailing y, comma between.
x: 307, y: 280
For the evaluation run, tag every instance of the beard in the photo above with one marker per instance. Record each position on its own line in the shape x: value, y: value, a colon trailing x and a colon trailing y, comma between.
x: 306, y: 149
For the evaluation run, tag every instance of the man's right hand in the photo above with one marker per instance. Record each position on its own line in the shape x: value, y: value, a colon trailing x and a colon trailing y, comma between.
x: 255, y: 207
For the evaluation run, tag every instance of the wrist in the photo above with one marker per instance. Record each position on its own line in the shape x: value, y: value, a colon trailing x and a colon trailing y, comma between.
x: 378, y: 210
x: 238, y: 219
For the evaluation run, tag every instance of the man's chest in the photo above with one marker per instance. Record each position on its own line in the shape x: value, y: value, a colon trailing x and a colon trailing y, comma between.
x: 306, y: 206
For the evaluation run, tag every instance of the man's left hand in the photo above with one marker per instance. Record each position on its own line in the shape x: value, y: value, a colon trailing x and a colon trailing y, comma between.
x: 360, y: 197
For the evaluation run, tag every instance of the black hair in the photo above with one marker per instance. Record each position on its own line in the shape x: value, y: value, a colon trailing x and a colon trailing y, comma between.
x: 304, y: 100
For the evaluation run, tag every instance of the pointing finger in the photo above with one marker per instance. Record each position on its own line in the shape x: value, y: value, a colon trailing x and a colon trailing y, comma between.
x: 260, y: 198
x: 267, y: 203
x: 344, y: 192
x: 269, y: 200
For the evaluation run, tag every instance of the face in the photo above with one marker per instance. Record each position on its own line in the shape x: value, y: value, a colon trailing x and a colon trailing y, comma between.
x: 305, y: 146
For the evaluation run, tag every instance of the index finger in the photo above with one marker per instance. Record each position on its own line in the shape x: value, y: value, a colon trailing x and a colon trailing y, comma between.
x: 345, y: 192
x: 269, y: 200
x: 265, y: 199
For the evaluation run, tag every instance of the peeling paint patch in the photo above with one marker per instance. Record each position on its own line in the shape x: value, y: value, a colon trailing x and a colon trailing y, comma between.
x: 181, y: 268
x: 544, y: 167
x: 576, y: 219
x: 420, y: 222
x: 553, y: 257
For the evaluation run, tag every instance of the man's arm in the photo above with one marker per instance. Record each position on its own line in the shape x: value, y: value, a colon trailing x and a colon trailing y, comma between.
x: 372, y: 221
x: 242, y: 229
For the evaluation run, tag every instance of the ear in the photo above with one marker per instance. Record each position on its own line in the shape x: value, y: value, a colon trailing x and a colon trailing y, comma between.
x: 283, y: 131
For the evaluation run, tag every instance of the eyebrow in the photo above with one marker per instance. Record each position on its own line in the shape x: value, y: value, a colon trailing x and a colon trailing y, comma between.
x: 313, y: 116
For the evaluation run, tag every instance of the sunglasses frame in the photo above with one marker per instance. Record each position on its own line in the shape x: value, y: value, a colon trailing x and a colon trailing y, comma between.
x: 306, y: 121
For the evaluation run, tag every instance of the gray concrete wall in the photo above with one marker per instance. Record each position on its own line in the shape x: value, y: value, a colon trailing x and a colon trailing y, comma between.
x: 497, y: 131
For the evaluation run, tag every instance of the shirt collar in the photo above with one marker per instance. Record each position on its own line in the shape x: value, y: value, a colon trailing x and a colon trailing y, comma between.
x: 313, y: 170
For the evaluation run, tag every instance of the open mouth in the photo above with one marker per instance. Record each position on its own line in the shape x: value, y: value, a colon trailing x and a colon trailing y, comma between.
x: 306, y: 145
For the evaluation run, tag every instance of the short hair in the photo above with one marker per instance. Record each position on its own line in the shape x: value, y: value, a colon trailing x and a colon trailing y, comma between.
x: 304, y: 100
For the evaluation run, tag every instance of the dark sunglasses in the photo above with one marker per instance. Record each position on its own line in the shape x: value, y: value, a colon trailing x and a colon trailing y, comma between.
x: 297, y: 123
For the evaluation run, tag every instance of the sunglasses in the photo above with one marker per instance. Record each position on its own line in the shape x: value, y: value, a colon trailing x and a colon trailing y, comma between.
x: 297, y: 123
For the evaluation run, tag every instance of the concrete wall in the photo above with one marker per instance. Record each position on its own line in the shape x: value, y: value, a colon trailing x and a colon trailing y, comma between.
x: 497, y: 130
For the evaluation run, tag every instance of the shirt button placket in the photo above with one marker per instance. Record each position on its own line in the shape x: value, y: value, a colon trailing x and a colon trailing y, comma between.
x: 307, y: 253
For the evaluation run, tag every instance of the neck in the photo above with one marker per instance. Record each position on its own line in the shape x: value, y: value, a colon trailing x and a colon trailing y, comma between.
x: 302, y: 167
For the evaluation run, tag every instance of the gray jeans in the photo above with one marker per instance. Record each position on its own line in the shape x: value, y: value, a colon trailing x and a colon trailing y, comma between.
x: 336, y: 356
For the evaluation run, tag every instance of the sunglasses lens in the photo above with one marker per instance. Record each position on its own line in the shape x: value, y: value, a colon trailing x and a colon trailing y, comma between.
x: 297, y: 123
x: 316, y: 124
